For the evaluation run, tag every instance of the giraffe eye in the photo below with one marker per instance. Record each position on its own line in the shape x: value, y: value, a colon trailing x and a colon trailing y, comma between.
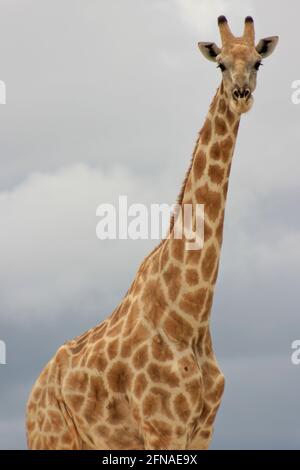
x: 257, y: 65
x: 221, y: 66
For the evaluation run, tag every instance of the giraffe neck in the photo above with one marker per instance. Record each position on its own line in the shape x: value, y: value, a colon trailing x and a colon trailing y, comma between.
x: 208, y: 176
x: 189, y: 276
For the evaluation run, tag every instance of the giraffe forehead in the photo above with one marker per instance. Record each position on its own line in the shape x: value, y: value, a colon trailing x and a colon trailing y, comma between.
x: 239, y: 53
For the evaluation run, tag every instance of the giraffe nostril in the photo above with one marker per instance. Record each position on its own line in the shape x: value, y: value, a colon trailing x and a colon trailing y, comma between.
x: 236, y: 94
x: 247, y: 93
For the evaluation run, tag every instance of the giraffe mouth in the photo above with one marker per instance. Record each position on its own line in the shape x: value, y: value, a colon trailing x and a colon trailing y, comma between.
x: 242, y: 105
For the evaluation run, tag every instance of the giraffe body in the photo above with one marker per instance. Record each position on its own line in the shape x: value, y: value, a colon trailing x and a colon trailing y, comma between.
x: 147, y: 376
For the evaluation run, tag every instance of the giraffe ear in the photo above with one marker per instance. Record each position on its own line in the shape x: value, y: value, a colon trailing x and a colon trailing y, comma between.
x: 266, y: 46
x: 210, y: 50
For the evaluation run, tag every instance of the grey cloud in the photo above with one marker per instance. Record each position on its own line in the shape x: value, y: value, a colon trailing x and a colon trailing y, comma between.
x: 258, y: 396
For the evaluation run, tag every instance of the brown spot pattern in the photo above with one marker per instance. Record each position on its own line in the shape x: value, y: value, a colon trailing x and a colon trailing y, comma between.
x: 208, y: 262
x: 160, y: 349
x: 163, y: 374
x: 208, y: 305
x: 192, y: 302
x: 177, y: 249
x: 140, y: 357
x: 182, y: 408
x: 139, y: 335
x: 119, y: 377
x: 199, y: 164
x: 220, y: 126
x: 194, y: 390
x: 216, y: 174
x: 97, y: 361
x: 207, y: 231
x: 117, y: 410
x: 112, y: 348
x: 222, y: 106
x: 229, y: 116
x: 163, y: 397
x: 154, y: 301
x: 211, y: 200
x: 74, y: 401
x: 193, y: 257
x: 150, y: 405
x: 205, y: 133
x: 172, y: 279
x: 192, y: 277
x: 132, y: 318
x: 226, y: 147
x: 215, y: 151
x: 178, y: 329
x: 77, y: 381
x: 140, y: 385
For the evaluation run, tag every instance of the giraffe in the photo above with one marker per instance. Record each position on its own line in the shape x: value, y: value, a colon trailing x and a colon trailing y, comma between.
x: 147, y: 376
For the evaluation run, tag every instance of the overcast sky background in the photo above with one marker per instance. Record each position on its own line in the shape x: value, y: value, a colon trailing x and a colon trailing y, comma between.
x: 106, y: 98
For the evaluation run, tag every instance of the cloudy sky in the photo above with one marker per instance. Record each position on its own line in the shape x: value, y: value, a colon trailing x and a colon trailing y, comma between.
x: 106, y: 98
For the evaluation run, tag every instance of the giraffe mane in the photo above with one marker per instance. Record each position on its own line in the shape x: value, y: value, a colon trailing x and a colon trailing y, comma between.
x: 180, y: 195
x: 184, y: 183
x: 179, y: 202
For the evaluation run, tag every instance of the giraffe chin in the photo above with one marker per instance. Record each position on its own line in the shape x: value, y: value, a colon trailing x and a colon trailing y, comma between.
x: 241, y: 106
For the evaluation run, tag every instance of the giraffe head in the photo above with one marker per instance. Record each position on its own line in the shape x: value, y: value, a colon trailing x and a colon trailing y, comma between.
x: 239, y: 60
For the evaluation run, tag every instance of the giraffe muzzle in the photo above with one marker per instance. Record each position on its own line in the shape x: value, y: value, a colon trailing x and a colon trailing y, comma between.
x: 241, y: 93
